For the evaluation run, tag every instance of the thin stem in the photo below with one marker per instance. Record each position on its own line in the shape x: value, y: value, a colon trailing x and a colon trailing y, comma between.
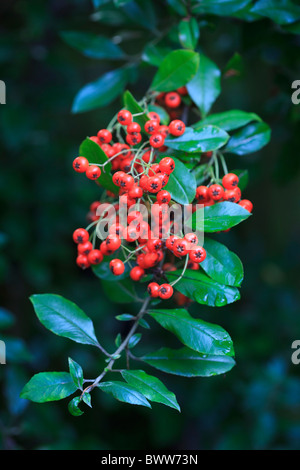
x: 183, y: 271
x: 223, y: 161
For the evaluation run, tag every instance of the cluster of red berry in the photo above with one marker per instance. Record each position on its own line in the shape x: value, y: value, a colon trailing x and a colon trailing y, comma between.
x: 227, y: 191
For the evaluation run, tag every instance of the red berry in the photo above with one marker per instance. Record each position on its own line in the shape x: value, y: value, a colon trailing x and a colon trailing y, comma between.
x: 231, y: 195
x: 151, y: 126
x: 163, y: 130
x: 170, y: 242
x: 176, y: 127
x: 113, y: 242
x: 197, y: 254
x: 133, y: 139
x: 191, y: 238
x: 164, y: 179
x: 151, y: 259
x: 163, y: 196
x: 84, y: 248
x: 156, y: 140
x: 80, y: 235
x: 154, y: 244
x: 82, y: 261
x: 117, y: 267
x: 133, y: 128
x: 117, y: 177
x: 93, y: 172
x: 154, y: 116
x: 172, y: 99
x: 124, y: 117
x: 137, y: 273
x: 202, y: 194
x: 230, y: 181
x: 80, y: 164
x: 104, y: 136
x: 246, y: 204
x: 182, y: 90
x: 181, y: 247
x: 136, y: 192
x: 153, y: 289
x: 95, y: 257
x: 154, y: 184
x: 215, y: 192
x: 165, y: 291
x: 167, y: 165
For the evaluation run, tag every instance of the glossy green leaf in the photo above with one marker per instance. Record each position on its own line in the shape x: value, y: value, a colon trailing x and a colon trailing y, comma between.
x: 219, y: 217
x: 219, y: 7
x: 189, y: 32
x: 64, y: 318
x: 141, y: 13
x: 133, y: 106
x: 48, y: 386
x: 188, y: 363
x: 228, y: 120
x: 93, y: 152
x: 249, y: 139
x: 73, y: 407
x: 197, y: 334
x: 176, y: 70
x: 154, y: 54
x: 124, y: 392
x: 100, y: 92
x: 125, y: 288
x: 151, y: 387
x: 205, y: 86
x: 221, y: 264
x: 280, y: 11
x: 134, y: 340
x: 204, y: 139
x: 182, y: 184
x: 76, y: 373
x: 199, y: 287
x: 92, y: 45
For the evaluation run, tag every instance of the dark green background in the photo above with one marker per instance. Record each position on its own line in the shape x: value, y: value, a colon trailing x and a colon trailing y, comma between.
x: 42, y: 200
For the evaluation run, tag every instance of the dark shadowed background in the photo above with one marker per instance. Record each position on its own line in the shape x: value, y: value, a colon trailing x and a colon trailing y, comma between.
x: 257, y: 404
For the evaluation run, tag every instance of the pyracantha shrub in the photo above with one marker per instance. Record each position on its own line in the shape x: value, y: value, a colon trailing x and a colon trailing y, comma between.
x: 164, y: 185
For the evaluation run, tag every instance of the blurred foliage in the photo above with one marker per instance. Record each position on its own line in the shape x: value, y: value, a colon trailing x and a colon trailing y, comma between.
x: 255, y: 406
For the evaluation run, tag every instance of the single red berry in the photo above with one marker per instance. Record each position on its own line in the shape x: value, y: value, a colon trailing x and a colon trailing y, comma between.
x: 170, y: 242
x: 151, y: 259
x: 163, y: 178
x: 215, y: 192
x: 84, y: 248
x: 176, y: 127
x: 246, y: 204
x: 82, y: 261
x: 163, y: 196
x: 133, y: 139
x: 191, y: 238
x: 116, y: 229
x: 104, y: 136
x: 95, y: 139
x: 93, y: 172
x: 117, y: 177
x: 167, y: 165
x: 124, y: 117
x: 125, y: 165
x: 80, y: 164
x: 163, y: 130
x: 202, y: 194
x: 154, y: 184
x: 136, y: 273
x: 127, y: 182
x: 182, y: 90
x: 151, y: 126
x: 130, y: 233
x: 136, y: 192
x: 105, y: 249
x: 80, y: 235
x: 156, y: 140
x: 172, y: 99
x: 154, y: 116
x: 165, y: 291
x: 231, y: 195
x: 153, y: 289
x: 133, y: 128
x: 154, y: 244
x: 181, y: 247
x: 230, y: 181
x: 117, y: 267
x: 113, y: 242
x: 95, y: 257
x: 144, y: 182
x: 197, y: 254
x: 193, y: 266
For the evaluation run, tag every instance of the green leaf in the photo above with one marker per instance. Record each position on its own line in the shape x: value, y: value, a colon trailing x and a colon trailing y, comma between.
x: 204, y: 139
x: 94, y: 154
x: 188, y: 363
x: 280, y: 11
x: 154, y: 54
x: 124, y: 392
x: 202, y: 289
x: 197, y: 334
x: 249, y: 139
x: 164, y: 116
x: 134, y: 340
x: 6, y: 318
x: 118, y: 340
x: 189, y: 32
x: 141, y: 12
x: 178, y: 7
x: 219, y: 217
x: 205, y: 87
x: 76, y: 373
x: 151, y: 387
x: 220, y: 7
x: 125, y: 317
x: 73, y: 407
x: 48, y: 386
x: 222, y: 265
x: 64, y: 318
x: 100, y: 92
x: 133, y: 106
x: 228, y: 120
x: 86, y: 398
x: 176, y: 70
x: 92, y: 45
x: 125, y: 288
x: 182, y: 183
